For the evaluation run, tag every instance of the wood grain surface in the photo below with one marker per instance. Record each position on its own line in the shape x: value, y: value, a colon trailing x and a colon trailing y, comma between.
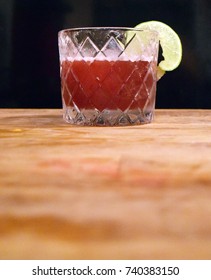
x: 139, y: 192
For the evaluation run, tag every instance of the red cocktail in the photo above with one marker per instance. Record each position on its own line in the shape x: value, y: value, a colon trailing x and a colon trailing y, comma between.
x: 108, y: 75
x: 103, y: 84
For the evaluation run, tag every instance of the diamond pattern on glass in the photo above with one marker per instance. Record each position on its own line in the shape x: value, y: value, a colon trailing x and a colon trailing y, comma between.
x: 108, y: 84
x: 88, y: 48
x: 112, y: 48
x: 130, y: 99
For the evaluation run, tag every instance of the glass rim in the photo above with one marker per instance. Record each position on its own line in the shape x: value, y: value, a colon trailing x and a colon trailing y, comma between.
x: 76, y: 29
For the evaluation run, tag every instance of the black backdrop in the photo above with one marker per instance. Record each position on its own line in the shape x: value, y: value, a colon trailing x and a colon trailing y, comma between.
x: 29, y: 63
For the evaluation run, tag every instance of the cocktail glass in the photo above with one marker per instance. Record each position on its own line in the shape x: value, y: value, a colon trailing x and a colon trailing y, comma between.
x: 108, y: 75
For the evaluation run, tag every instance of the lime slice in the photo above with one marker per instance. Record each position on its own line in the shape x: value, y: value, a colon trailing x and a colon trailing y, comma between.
x: 170, y: 44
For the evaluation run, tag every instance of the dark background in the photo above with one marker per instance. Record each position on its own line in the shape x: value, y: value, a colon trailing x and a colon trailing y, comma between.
x: 29, y: 62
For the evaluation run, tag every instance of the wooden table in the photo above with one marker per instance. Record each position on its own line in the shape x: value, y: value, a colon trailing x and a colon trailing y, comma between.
x: 141, y: 192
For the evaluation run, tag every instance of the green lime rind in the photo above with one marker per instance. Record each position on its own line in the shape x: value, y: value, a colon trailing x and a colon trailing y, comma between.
x: 170, y: 43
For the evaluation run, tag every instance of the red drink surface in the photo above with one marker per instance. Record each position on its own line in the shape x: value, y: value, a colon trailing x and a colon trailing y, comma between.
x: 103, y: 84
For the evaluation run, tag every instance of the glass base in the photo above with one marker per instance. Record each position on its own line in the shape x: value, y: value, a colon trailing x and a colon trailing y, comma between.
x: 107, y: 117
